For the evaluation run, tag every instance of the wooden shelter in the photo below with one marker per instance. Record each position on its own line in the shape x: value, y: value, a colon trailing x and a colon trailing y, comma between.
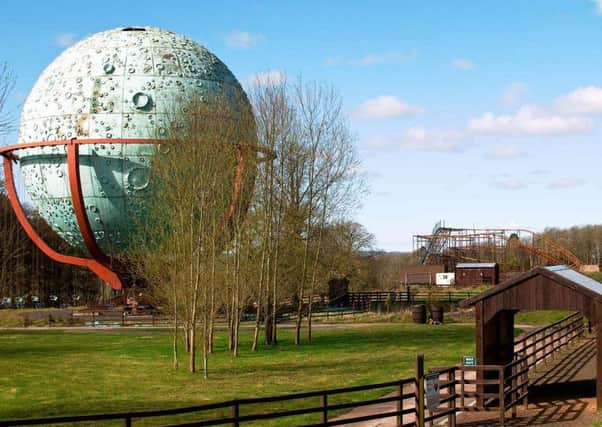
x: 477, y: 273
x: 542, y: 288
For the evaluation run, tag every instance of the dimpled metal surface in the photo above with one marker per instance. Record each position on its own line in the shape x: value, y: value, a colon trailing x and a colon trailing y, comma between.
x: 124, y: 83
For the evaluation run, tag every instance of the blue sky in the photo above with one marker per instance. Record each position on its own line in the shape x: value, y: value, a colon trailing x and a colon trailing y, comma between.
x: 483, y: 113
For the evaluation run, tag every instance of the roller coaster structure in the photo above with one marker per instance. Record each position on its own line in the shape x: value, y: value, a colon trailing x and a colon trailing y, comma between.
x: 512, y: 248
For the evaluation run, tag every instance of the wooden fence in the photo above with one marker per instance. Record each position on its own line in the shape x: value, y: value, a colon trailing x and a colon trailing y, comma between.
x: 500, y: 388
x: 539, y: 345
x: 368, y: 298
x: 483, y: 388
x: 241, y: 410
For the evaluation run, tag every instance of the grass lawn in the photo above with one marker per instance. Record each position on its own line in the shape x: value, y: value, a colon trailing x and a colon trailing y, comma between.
x: 539, y: 317
x: 45, y: 373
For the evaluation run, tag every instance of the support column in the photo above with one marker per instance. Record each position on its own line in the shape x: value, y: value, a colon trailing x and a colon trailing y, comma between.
x: 494, y: 342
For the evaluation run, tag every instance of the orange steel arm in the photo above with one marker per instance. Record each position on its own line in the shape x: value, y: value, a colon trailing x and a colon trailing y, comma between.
x: 96, y: 267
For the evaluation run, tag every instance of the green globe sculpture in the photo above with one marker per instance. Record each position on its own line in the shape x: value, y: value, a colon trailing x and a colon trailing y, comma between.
x: 114, y: 94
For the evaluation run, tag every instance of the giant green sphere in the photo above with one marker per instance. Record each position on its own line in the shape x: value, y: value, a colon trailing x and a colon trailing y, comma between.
x: 122, y: 83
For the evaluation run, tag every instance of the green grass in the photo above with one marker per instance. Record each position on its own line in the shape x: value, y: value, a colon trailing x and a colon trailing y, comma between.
x: 45, y: 373
x: 539, y: 317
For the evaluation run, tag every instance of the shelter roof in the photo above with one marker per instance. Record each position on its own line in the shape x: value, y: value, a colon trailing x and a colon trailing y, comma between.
x: 561, y: 274
x: 476, y: 265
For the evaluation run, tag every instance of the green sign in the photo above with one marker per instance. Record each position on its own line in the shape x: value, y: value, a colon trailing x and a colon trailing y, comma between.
x: 469, y: 361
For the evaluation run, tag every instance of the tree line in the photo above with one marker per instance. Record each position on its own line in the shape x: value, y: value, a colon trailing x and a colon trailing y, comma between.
x: 28, y: 277
x: 584, y: 241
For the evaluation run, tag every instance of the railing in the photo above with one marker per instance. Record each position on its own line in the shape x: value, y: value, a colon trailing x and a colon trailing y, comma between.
x: 364, y: 299
x: 541, y: 344
x: 483, y: 388
x: 449, y: 397
x: 241, y: 409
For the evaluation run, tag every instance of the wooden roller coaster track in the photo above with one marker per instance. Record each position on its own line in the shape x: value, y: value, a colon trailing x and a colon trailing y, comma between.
x: 481, y: 245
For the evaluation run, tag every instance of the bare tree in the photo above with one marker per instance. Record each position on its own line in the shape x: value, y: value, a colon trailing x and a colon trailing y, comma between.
x: 274, y: 117
x: 199, y: 190
x: 312, y: 182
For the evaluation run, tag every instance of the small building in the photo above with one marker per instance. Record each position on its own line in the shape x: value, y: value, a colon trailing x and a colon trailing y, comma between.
x: 338, y: 292
x: 477, y: 273
x: 542, y: 288
x: 420, y: 274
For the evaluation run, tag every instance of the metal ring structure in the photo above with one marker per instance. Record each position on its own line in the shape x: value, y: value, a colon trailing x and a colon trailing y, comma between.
x: 105, y: 267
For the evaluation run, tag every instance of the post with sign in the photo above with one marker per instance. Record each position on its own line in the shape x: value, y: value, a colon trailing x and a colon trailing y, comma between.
x: 432, y: 391
x: 466, y: 361
x: 419, y: 375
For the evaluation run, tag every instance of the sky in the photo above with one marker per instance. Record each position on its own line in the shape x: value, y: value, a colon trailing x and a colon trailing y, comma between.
x: 482, y: 113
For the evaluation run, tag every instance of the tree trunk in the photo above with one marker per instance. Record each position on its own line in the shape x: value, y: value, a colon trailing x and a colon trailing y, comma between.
x: 187, y: 336
x: 175, y: 337
x: 299, y: 318
x: 192, y: 354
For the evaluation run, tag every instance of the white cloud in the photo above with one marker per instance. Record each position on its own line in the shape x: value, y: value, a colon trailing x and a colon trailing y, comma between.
x: 386, y: 106
x: 65, y: 39
x: 529, y: 120
x: 509, y: 183
x: 564, y: 183
x: 598, y: 4
x: 372, y: 59
x: 505, y: 152
x: 565, y: 116
x: 274, y: 77
x: 462, y: 64
x: 420, y: 139
x: 448, y: 140
x: 583, y: 100
x: 514, y: 92
x: 242, y: 39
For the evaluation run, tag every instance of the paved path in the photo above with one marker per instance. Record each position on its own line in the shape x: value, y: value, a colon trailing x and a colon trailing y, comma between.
x: 560, y: 395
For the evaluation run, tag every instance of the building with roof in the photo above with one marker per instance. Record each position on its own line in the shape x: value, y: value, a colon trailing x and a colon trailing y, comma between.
x: 542, y: 288
x: 477, y: 273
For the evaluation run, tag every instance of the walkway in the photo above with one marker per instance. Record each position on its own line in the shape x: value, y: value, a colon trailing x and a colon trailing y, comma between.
x: 562, y: 393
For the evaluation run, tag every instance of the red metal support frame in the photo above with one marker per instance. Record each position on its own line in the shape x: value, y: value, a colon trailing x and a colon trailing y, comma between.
x: 102, y: 265
x: 79, y: 206
x: 96, y: 267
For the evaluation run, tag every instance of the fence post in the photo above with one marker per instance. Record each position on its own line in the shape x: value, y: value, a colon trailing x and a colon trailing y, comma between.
x: 127, y: 422
x: 502, y: 404
x: 419, y: 377
x: 451, y: 377
x: 526, y: 383
x: 400, y: 404
x: 462, y: 390
x: 514, y: 385
x: 235, y: 413
x: 324, y: 405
